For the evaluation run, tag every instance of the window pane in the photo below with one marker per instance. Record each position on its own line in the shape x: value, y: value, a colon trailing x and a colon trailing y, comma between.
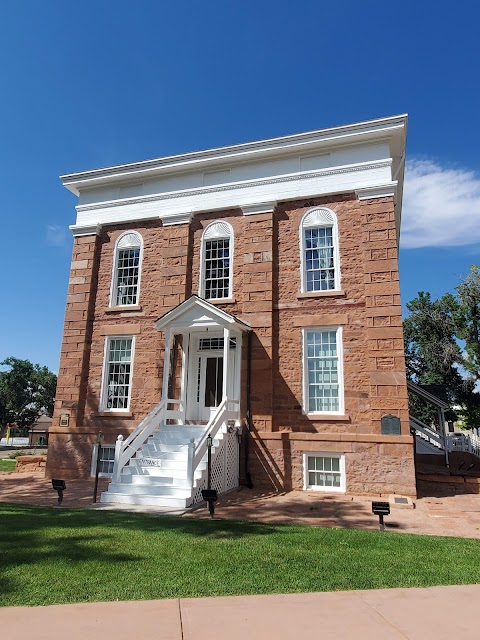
x: 322, y: 371
x: 217, y: 268
x: 319, y: 259
x: 118, y: 373
x: 324, y: 471
x: 128, y: 265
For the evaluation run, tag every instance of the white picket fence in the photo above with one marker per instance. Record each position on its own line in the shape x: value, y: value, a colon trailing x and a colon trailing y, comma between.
x: 14, y: 442
x: 464, y: 442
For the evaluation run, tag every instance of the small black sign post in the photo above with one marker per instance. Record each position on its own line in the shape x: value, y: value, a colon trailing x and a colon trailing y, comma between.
x: 210, y: 495
x: 381, y: 509
x: 97, y: 466
x: 59, y: 486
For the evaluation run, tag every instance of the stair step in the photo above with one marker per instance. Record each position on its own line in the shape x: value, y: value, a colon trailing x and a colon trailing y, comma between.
x: 152, y: 452
x: 142, y: 499
x: 159, y: 480
x: 157, y: 474
x: 149, y: 489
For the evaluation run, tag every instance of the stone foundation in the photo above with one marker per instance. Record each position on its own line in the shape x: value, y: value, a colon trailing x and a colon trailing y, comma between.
x: 27, y: 464
x: 374, y: 465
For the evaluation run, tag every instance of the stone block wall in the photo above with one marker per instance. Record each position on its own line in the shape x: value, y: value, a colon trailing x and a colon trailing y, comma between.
x: 266, y: 294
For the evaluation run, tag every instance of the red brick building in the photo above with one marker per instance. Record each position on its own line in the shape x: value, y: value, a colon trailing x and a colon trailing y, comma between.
x: 250, y: 292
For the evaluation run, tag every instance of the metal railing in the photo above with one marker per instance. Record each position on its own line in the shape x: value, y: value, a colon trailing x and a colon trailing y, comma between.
x: 427, y: 433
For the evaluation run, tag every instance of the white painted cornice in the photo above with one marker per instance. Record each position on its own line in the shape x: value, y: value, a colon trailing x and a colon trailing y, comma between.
x: 231, y: 186
x: 250, y: 195
x: 379, y: 191
x: 260, y: 207
x: 176, y: 218
x: 87, y: 230
x: 390, y: 129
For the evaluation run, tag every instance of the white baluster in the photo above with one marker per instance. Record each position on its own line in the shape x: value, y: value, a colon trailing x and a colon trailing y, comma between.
x: 116, y: 465
x: 190, y: 457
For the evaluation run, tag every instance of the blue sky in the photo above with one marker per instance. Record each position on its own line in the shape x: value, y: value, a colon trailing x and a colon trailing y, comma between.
x: 108, y: 82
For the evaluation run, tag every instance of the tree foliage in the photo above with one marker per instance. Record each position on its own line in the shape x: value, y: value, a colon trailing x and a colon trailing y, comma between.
x: 442, y: 347
x: 26, y: 391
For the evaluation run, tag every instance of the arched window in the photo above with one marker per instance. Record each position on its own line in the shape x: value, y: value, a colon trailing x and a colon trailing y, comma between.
x: 216, y: 261
x: 320, y: 263
x: 126, y: 270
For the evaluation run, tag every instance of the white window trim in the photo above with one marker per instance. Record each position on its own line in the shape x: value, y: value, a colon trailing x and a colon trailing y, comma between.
x: 341, y: 399
x: 319, y: 217
x: 104, y: 392
x: 321, y: 454
x: 93, y: 467
x: 113, y: 282
x: 216, y: 230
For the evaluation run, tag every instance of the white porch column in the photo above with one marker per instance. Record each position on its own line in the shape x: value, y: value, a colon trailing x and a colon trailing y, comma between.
x: 226, y: 368
x: 238, y: 374
x: 184, y: 381
x: 166, y: 365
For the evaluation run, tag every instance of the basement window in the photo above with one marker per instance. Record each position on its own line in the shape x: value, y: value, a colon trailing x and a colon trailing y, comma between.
x: 324, y: 472
x: 107, y: 457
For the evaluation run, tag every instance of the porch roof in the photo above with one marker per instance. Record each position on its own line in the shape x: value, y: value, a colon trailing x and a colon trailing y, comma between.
x: 195, y: 313
x: 426, y: 395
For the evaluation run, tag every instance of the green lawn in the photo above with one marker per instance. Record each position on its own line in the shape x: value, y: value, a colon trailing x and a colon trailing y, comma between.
x: 7, y: 465
x: 53, y: 555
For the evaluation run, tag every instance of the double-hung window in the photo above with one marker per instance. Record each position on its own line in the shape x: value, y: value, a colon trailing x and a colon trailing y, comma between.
x: 216, y: 262
x: 322, y: 370
x: 117, y: 375
x: 126, y: 275
x: 324, y: 471
x: 319, y: 251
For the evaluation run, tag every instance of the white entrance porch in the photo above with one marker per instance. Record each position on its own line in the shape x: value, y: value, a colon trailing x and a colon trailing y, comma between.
x: 163, y: 462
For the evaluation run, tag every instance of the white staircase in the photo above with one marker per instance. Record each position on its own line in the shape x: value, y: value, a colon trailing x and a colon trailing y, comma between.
x: 165, y: 465
x: 429, y: 440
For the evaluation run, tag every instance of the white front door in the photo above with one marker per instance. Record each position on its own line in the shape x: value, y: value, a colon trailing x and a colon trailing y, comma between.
x: 211, y: 384
x: 205, y: 376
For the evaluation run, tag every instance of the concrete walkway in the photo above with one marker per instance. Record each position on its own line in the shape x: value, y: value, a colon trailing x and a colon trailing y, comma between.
x: 441, y: 613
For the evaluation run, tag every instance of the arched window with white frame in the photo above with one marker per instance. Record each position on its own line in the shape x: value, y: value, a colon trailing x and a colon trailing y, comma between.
x: 126, y: 270
x: 216, y: 261
x: 320, y: 261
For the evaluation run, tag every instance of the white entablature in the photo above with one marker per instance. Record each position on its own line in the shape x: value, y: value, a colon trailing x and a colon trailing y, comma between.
x: 366, y: 158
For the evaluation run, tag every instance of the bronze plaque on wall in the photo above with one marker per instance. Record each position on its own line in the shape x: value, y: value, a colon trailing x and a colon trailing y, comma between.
x: 390, y: 425
x: 64, y: 419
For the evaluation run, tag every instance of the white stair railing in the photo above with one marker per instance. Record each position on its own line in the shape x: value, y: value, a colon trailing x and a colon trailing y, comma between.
x: 126, y: 449
x: 427, y: 433
x: 216, y: 422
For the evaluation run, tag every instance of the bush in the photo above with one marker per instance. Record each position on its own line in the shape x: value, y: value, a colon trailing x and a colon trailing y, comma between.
x: 16, y: 454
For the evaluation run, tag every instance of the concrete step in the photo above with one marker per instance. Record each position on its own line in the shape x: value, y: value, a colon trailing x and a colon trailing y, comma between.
x: 149, y: 489
x: 160, y: 463
x: 144, y: 499
x: 177, y: 434
x: 157, y: 452
x: 140, y: 480
x: 163, y: 472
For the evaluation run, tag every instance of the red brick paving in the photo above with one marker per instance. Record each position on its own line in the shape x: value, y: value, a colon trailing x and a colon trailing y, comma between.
x: 449, y: 516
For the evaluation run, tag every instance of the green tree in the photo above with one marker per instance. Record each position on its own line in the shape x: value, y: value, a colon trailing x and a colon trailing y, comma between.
x: 432, y: 353
x: 442, y: 347
x: 466, y: 312
x: 26, y: 391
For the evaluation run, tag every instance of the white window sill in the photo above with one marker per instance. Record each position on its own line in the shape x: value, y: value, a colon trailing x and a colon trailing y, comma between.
x: 128, y: 307
x: 221, y: 300
x: 329, y: 293
x: 114, y: 414
x: 325, y: 489
x: 329, y: 417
